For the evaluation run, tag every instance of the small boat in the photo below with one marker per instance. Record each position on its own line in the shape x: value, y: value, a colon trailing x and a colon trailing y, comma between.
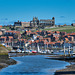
x: 12, y: 51
x: 73, y: 54
x: 51, y: 51
x: 27, y: 51
x: 61, y: 50
x: 18, y: 50
x: 44, y: 52
x: 23, y: 51
x: 34, y: 51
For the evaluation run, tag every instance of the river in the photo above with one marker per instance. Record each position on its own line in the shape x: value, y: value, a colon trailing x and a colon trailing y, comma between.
x: 33, y: 65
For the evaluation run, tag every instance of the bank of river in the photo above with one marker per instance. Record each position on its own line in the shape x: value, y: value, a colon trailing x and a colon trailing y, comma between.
x: 5, y: 61
x: 33, y: 65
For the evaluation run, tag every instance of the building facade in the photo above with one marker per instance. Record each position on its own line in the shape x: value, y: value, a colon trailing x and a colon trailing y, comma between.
x: 25, y: 24
x: 48, y: 22
x: 42, y: 22
x: 17, y: 24
x: 34, y: 22
x: 21, y: 24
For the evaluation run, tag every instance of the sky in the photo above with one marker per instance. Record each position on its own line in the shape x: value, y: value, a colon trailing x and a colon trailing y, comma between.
x: 25, y: 10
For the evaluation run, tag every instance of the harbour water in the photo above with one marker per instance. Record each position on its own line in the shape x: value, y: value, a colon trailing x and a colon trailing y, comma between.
x: 33, y: 65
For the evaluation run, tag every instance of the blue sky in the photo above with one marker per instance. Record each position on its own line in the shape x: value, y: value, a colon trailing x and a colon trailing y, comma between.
x: 24, y: 10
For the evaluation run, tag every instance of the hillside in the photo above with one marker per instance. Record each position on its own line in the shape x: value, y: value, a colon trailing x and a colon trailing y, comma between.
x: 3, y: 50
x: 67, y: 29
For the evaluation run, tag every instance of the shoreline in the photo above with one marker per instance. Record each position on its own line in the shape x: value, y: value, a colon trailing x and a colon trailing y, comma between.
x: 5, y: 61
x: 68, y: 70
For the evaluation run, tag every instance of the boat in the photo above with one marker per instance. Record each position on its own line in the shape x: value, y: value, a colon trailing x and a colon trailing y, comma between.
x: 44, y: 52
x: 34, y: 51
x: 48, y: 51
x: 18, y: 51
x: 12, y: 51
x: 39, y: 51
x: 27, y: 51
x: 73, y: 54
x: 61, y: 50
x: 51, y: 51
x: 23, y: 51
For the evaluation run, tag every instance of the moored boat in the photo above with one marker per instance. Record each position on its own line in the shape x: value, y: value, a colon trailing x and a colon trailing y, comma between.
x: 18, y: 51
x: 12, y: 51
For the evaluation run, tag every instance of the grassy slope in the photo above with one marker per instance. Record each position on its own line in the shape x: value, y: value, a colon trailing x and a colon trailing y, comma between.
x: 3, y: 50
x: 67, y: 29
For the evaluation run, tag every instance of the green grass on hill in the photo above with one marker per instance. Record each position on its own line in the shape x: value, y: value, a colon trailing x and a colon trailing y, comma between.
x: 67, y: 29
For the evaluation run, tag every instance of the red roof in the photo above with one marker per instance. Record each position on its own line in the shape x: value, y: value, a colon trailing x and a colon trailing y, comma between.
x: 49, y: 34
x: 10, y: 37
x: 28, y: 31
x: 52, y: 42
x: 0, y: 25
x: 6, y: 37
x: 38, y: 31
x: 3, y: 36
x: 37, y: 41
x: 13, y: 32
x: 71, y: 34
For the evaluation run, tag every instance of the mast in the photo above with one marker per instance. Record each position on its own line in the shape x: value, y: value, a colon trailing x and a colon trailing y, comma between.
x: 69, y: 49
x: 64, y: 49
x: 45, y: 45
x: 38, y: 47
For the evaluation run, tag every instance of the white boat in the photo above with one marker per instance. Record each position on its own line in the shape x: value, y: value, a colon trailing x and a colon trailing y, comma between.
x: 27, y: 51
x: 51, y: 51
x: 18, y: 50
x: 23, y: 51
x: 40, y: 51
x: 44, y: 52
x: 34, y: 51
x: 12, y: 51
x: 61, y: 50
x: 48, y: 51
x: 73, y: 54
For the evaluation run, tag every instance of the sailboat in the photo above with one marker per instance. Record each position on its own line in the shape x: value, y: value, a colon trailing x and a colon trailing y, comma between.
x: 18, y: 50
x: 46, y: 50
x: 39, y: 51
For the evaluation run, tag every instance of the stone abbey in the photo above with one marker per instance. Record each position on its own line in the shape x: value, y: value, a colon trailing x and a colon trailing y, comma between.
x: 42, y: 22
